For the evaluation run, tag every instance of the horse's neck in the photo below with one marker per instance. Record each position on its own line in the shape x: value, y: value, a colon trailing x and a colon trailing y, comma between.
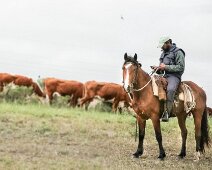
x: 142, y: 79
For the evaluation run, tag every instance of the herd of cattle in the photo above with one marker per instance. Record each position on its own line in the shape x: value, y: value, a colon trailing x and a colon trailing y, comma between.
x: 81, y: 94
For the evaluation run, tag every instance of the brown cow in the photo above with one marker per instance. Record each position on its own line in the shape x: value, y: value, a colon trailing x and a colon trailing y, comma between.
x: 74, y: 89
x: 5, y: 79
x: 28, y: 82
x: 209, y: 110
x: 19, y: 80
x: 106, y: 91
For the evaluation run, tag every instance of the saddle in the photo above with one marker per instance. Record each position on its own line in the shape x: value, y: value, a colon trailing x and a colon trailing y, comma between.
x: 184, y: 92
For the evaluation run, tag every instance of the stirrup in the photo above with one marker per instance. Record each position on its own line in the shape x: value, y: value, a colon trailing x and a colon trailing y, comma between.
x: 165, y: 117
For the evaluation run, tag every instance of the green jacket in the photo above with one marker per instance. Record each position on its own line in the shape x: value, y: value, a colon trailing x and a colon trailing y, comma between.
x: 174, y: 60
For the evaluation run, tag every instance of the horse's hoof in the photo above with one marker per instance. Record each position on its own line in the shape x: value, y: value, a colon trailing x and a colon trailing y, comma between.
x: 137, y: 154
x: 182, y: 155
x: 162, y: 156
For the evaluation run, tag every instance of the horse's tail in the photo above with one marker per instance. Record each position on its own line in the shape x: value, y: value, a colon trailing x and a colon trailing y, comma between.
x: 205, y: 138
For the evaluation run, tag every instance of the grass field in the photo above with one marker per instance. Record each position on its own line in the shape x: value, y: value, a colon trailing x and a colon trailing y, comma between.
x: 43, y: 137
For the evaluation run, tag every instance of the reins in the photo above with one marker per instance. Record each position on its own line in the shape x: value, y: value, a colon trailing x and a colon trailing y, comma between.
x: 135, y: 77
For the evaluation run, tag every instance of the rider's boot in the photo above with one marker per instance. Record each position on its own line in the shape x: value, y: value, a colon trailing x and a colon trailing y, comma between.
x: 167, y: 112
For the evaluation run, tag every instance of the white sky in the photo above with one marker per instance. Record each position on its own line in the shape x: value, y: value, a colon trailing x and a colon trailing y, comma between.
x: 86, y: 39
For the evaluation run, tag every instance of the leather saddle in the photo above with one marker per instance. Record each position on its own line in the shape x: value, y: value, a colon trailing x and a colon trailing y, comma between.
x: 184, y: 92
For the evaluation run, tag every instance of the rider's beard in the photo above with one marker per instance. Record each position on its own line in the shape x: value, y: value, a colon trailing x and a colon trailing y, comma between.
x: 165, y: 49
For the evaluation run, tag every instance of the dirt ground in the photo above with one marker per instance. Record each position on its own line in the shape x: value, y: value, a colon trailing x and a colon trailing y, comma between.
x: 44, y: 138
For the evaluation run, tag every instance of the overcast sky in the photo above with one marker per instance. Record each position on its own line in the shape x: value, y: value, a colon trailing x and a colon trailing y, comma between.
x: 86, y: 39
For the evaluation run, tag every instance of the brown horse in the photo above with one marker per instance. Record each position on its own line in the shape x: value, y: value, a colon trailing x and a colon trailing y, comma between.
x: 19, y: 80
x: 147, y: 106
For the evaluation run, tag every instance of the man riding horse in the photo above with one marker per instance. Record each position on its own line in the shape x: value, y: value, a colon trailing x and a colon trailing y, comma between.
x: 172, y: 64
x: 137, y: 83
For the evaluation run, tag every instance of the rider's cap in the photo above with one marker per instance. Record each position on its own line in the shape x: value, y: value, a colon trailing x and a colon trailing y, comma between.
x: 162, y: 41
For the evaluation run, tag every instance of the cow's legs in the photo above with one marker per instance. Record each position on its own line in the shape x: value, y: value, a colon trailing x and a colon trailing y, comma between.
x: 74, y: 101
x: 49, y: 97
x: 115, y: 105
x: 1, y: 87
x: 85, y: 101
x: 87, y: 104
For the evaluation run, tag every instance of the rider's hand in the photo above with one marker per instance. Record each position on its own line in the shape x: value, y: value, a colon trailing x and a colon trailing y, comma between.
x: 154, y: 67
x: 162, y: 66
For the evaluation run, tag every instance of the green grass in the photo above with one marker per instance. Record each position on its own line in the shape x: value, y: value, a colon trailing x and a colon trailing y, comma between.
x: 36, y: 136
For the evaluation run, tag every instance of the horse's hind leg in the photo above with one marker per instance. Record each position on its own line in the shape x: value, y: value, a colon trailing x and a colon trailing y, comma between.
x: 181, y: 121
x: 197, y: 114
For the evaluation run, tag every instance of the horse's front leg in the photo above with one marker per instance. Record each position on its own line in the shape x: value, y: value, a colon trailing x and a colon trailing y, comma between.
x: 141, y: 125
x: 156, y: 123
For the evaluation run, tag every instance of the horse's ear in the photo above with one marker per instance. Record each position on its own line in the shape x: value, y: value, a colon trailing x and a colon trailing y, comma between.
x: 135, y: 57
x: 125, y: 56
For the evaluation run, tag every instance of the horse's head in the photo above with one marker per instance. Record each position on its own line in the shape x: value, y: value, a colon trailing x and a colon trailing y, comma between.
x: 130, y: 72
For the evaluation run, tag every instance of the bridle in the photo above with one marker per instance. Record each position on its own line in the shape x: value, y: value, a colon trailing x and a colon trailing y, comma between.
x: 130, y: 87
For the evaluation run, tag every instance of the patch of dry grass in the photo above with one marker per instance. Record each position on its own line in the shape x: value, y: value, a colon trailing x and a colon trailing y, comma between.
x: 43, y: 137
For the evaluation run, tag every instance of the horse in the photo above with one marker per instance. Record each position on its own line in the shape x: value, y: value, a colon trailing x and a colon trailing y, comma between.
x: 147, y: 106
